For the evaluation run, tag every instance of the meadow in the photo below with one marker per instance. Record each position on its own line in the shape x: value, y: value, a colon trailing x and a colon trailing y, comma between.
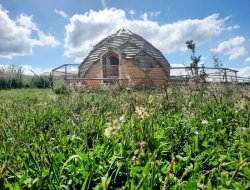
x: 172, y: 138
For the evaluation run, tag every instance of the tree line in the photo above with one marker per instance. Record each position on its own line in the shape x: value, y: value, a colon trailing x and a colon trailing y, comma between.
x: 12, y: 76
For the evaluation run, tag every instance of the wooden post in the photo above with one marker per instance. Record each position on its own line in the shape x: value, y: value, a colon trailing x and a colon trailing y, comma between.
x: 65, y: 74
x: 236, y: 78
x: 225, y: 74
x: 53, y: 83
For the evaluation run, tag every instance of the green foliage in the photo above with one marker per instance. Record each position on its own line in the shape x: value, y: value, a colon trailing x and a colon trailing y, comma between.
x: 194, y: 60
x: 41, y: 81
x: 216, y: 60
x: 62, y: 89
x: 12, y: 77
x: 125, y: 139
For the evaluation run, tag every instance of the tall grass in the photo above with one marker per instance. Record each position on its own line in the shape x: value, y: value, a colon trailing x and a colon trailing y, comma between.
x: 12, y: 77
x: 127, y: 139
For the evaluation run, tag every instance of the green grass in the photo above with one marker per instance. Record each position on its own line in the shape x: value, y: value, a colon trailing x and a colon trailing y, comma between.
x: 96, y: 139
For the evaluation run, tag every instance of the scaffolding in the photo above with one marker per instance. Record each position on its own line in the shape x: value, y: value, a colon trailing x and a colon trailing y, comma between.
x: 69, y: 74
x: 210, y: 74
x: 65, y: 73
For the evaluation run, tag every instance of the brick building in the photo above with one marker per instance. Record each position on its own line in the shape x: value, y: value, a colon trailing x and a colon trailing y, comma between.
x: 125, y: 59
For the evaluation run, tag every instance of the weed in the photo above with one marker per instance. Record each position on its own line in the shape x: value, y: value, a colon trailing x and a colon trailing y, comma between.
x: 125, y: 139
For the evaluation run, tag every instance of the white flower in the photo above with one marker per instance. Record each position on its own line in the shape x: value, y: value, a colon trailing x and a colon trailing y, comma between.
x: 108, y: 132
x: 190, y: 104
x: 204, y: 122
x: 150, y: 99
x: 122, y: 119
x: 141, y: 112
x: 219, y: 120
x: 112, y: 129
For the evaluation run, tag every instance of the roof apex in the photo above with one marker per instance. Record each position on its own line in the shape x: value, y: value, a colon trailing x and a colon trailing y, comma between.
x: 123, y: 31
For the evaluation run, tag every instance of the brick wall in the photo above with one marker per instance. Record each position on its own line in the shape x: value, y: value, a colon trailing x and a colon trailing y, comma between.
x: 95, y: 71
x: 136, y: 76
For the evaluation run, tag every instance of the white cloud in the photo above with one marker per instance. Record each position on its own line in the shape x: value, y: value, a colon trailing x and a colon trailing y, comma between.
x: 177, y: 65
x: 232, y: 47
x: 46, y: 40
x: 243, y: 72
x: 61, y: 13
x: 202, y: 61
x: 227, y: 45
x: 236, y: 53
x: 155, y: 14
x: 26, y: 69
x: 132, y: 12
x: 247, y: 59
x: 234, y: 27
x: 176, y: 70
x: 85, y: 30
x: 16, y: 35
x: 26, y: 22
x: 30, y: 70
x: 145, y: 16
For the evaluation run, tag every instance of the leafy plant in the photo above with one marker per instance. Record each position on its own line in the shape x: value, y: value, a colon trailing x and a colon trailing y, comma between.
x: 62, y: 89
x: 194, y: 60
x: 125, y: 139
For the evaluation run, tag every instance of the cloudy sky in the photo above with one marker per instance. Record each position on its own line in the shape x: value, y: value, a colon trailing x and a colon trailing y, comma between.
x: 44, y: 34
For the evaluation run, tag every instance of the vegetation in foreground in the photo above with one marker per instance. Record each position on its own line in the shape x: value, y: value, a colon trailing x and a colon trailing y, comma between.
x: 12, y: 77
x: 177, y: 138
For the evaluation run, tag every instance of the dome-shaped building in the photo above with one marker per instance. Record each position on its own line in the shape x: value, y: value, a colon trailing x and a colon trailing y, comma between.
x: 124, y: 59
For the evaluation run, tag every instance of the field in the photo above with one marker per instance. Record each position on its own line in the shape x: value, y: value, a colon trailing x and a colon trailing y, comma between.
x: 176, y: 138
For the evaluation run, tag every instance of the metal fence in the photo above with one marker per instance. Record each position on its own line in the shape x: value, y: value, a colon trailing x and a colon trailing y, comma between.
x: 210, y: 74
x: 145, y: 76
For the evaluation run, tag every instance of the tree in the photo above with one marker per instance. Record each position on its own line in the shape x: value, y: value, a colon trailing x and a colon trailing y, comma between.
x: 194, y: 60
x: 217, y: 62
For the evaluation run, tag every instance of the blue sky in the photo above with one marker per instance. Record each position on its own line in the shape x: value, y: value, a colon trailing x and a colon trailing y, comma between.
x: 43, y: 34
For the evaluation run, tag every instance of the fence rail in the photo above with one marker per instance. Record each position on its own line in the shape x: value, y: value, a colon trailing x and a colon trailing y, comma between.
x: 69, y: 73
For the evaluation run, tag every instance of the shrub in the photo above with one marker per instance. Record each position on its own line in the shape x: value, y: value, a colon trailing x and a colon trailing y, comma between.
x: 42, y: 81
x: 62, y: 89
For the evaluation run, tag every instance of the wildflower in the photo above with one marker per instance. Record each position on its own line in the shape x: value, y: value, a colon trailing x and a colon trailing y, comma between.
x: 141, y: 112
x: 240, y: 104
x: 108, y: 132
x: 109, y: 114
x: 122, y: 119
x: 142, y: 145
x: 139, y: 153
x: 136, y: 152
x: 204, y: 122
x: 150, y: 99
x: 190, y: 104
x: 113, y: 129
x: 133, y: 158
x: 219, y: 120
x: 141, y: 156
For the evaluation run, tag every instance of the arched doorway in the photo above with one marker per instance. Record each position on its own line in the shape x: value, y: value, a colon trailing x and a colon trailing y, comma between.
x: 111, y: 68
